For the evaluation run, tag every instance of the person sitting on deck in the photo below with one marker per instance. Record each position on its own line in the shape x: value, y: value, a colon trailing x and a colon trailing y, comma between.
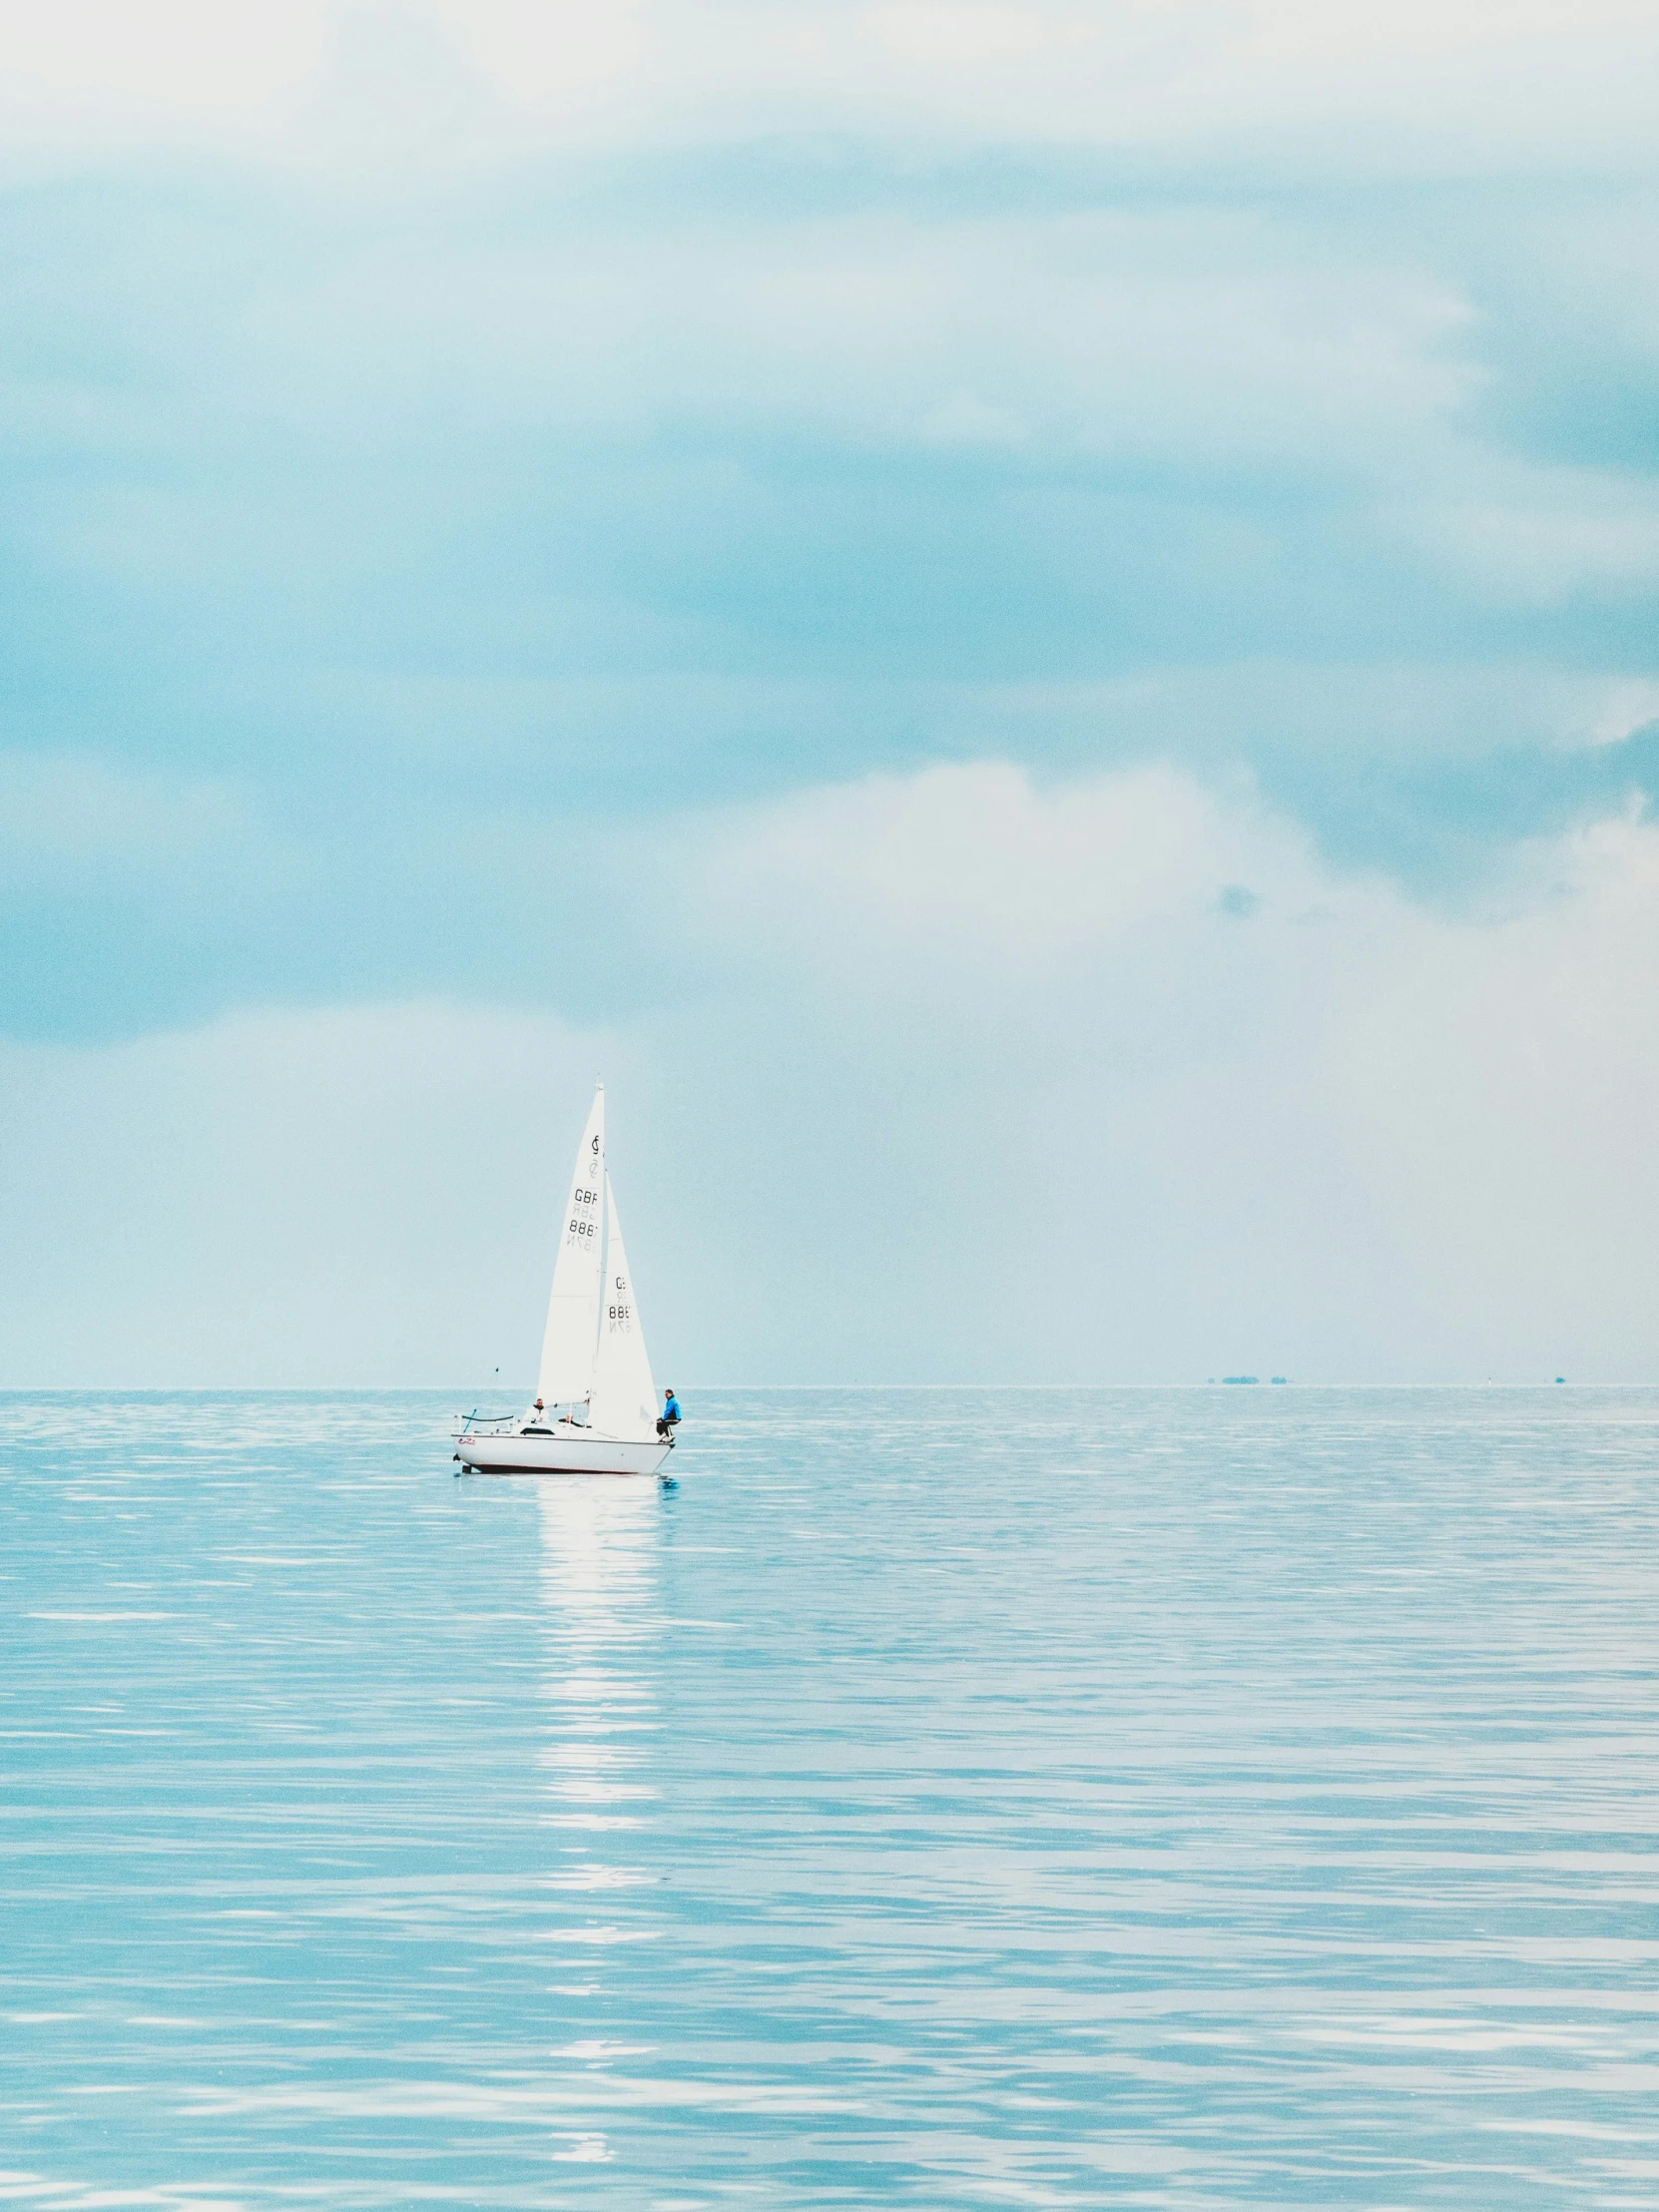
x: 671, y: 1415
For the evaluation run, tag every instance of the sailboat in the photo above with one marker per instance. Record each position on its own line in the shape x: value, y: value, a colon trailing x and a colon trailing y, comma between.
x: 596, y: 1405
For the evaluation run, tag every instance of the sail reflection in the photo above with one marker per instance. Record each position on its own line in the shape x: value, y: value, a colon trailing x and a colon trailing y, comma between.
x: 600, y: 1538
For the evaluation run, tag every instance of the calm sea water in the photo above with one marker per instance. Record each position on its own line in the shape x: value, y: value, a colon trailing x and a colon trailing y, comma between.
x: 1184, y: 1799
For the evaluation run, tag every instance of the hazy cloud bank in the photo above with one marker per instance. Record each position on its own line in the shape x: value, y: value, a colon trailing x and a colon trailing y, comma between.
x: 949, y: 1075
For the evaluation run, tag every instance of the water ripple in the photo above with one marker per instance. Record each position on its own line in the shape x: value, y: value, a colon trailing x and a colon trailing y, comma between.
x: 1184, y: 1799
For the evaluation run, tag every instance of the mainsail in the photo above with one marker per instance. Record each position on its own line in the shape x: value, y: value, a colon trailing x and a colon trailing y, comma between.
x: 567, y: 1351
x: 624, y: 1395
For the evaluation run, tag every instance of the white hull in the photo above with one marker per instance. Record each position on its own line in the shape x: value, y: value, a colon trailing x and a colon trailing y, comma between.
x: 569, y: 1451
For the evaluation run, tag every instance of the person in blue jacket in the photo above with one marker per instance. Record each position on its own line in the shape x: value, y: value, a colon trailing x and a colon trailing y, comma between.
x: 671, y: 1415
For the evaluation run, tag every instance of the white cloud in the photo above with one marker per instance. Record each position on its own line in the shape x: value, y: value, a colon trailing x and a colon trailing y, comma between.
x: 91, y: 80
x: 975, y: 870
x: 1502, y: 80
x: 1622, y: 708
x: 1534, y: 536
x: 430, y: 89
x: 1193, y: 338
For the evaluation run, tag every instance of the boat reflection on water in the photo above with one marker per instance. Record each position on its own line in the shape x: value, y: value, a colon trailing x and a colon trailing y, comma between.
x: 601, y: 1625
x: 600, y: 1622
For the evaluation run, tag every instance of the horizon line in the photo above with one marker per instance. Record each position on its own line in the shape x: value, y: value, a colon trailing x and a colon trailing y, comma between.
x: 446, y: 1390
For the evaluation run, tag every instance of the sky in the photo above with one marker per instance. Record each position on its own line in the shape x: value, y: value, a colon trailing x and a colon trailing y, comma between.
x: 1034, y: 627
